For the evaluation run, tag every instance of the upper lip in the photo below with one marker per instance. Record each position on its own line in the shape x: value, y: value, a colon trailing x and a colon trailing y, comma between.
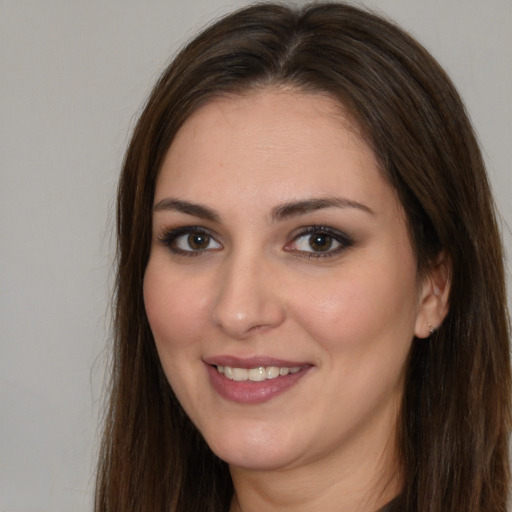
x: 251, y: 362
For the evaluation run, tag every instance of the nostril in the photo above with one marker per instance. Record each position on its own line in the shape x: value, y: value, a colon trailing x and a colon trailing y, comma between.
x: 260, y: 329
x: 247, y: 303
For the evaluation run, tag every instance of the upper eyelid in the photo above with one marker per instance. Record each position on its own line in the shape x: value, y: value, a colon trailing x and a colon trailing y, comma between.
x: 302, y: 230
x: 345, y: 241
x: 182, y: 230
x: 316, y: 228
x: 168, y: 235
x: 171, y: 234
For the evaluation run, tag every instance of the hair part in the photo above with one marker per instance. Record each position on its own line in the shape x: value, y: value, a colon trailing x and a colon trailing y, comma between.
x: 455, y: 419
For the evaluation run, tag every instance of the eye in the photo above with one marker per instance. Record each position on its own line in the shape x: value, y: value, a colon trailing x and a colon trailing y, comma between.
x: 189, y: 241
x: 195, y: 242
x: 318, y: 241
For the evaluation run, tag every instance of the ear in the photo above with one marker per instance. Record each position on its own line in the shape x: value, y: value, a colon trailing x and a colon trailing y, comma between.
x: 433, y: 297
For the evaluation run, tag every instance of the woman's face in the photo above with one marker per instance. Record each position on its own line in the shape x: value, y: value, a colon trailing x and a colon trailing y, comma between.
x: 281, y: 287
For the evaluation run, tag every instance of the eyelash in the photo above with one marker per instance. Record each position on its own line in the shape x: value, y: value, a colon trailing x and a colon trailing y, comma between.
x: 170, y: 238
x: 344, y: 241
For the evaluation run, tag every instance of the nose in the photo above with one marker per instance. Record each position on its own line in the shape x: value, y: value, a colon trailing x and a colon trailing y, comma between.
x: 248, y: 300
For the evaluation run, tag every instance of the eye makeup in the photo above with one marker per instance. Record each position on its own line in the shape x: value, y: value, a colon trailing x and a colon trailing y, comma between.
x: 319, y: 242
x: 314, y: 241
x: 189, y: 241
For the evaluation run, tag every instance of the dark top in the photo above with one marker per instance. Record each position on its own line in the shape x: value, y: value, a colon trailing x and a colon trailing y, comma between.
x: 392, y: 506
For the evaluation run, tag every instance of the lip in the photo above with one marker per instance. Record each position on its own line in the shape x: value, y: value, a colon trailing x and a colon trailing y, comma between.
x: 251, y: 362
x: 249, y: 392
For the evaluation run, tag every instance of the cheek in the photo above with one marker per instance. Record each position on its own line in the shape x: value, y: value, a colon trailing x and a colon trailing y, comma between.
x: 175, y: 311
x: 362, y: 307
x: 174, y: 306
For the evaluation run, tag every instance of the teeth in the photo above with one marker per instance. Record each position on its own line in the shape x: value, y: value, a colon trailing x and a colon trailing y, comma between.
x: 240, y: 374
x: 272, y: 372
x: 256, y: 374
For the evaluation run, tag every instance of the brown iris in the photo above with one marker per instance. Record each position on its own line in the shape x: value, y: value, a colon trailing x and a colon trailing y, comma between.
x: 198, y: 241
x: 320, y: 242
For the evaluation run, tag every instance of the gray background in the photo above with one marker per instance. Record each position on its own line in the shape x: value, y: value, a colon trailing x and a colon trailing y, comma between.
x: 73, y: 77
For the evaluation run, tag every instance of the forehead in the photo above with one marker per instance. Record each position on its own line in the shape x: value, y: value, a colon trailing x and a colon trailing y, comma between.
x: 268, y: 111
x: 281, y: 142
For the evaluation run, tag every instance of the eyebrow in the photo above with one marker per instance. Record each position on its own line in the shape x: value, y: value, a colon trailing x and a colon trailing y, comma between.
x: 297, y: 208
x: 197, y: 210
x: 280, y: 212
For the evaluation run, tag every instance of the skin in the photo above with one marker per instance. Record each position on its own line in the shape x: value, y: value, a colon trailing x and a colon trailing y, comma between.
x: 260, y: 289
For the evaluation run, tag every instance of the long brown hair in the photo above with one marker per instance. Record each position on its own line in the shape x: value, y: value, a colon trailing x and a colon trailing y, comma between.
x: 455, y: 418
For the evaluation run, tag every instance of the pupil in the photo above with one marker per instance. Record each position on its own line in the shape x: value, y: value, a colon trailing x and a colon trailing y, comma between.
x: 198, y: 241
x: 320, y: 242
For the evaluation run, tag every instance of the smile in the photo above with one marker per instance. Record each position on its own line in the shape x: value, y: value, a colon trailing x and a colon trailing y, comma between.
x: 257, y: 374
x: 254, y: 380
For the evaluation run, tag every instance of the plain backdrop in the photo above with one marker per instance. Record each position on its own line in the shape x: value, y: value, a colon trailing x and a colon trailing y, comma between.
x: 74, y: 75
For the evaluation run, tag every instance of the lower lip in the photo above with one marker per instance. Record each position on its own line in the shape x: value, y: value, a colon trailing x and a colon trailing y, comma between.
x: 249, y: 392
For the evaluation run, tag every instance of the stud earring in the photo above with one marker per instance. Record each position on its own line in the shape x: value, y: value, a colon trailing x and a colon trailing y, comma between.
x: 431, y: 329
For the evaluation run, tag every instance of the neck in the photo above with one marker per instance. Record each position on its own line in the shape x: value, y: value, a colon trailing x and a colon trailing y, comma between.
x: 361, y: 485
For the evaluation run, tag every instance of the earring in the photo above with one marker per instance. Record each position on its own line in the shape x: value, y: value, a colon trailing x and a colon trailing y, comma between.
x: 431, y: 329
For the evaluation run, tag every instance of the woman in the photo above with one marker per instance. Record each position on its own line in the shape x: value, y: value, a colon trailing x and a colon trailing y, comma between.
x: 304, y: 319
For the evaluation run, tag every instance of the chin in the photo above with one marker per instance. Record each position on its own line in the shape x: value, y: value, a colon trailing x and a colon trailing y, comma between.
x: 256, y: 459
x: 254, y: 448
